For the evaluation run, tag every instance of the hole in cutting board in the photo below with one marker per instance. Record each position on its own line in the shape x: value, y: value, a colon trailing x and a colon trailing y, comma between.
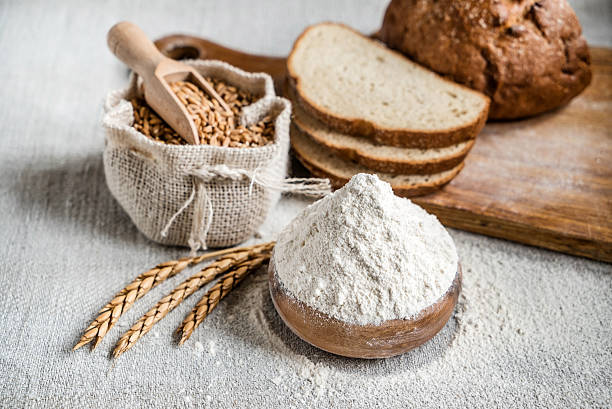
x: 182, y: 52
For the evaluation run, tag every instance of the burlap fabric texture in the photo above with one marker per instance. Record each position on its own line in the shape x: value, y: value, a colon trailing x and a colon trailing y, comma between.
x: 198, y: 195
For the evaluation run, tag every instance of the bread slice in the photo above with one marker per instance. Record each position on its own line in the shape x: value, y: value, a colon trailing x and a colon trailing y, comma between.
x: 357, y: 86
x: 321, y: 162
x: 381, y: 158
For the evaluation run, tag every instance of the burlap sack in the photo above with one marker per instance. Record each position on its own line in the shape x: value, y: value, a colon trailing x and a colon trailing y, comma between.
x: 198, y: 195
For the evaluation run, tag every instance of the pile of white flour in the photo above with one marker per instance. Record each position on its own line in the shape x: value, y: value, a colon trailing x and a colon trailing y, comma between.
x: 364, y: 255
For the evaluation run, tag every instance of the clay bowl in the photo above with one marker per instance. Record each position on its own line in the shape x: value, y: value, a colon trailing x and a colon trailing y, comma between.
x: 388, y: 339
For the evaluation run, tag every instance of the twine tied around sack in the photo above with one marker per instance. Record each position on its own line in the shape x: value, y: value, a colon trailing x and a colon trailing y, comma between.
x: 203, y: 209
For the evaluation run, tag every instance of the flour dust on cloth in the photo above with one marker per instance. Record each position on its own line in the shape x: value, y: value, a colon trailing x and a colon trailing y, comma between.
x: 200, y: 195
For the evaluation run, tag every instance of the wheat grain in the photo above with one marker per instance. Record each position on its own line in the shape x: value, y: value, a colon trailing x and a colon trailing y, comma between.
x: 151, y: 125
x: 211, y: 299
x: 215, y: 126
x: 184, y: 290
x: 141, y: 285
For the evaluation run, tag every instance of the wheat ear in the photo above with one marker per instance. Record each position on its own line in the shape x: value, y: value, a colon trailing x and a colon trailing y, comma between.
x: 141, y: 285
x: 211, y: 299
x: 184, y: 290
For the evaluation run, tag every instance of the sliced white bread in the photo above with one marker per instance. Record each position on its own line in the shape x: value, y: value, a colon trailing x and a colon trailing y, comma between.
x: 381, y: 158
x: 321, y: 162
x: 358, y: 86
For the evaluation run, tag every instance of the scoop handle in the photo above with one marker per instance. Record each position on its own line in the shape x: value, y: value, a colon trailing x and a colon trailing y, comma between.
x: 132, y: 46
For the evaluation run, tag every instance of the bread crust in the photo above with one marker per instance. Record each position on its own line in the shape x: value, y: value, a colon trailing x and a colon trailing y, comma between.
x: 387, y: 165
x: 406, y: 138
x: 404, y: 191
x: 338, y: 181
x: 528, y: 56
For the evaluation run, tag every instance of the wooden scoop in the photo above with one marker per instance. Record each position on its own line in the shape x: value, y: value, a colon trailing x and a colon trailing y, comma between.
x: 390, y: 338
x: 130, y: 44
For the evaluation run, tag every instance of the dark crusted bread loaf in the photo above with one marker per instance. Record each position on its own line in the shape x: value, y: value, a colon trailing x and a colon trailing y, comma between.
x: 528, y: 56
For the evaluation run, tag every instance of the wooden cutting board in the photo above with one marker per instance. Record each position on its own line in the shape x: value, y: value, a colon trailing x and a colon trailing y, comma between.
x: 545, y: 181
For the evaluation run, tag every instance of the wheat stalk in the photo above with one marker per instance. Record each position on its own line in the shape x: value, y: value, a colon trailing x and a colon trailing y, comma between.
x: 211, y: 299
x: 184, y: 290
x: 141, y: 285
